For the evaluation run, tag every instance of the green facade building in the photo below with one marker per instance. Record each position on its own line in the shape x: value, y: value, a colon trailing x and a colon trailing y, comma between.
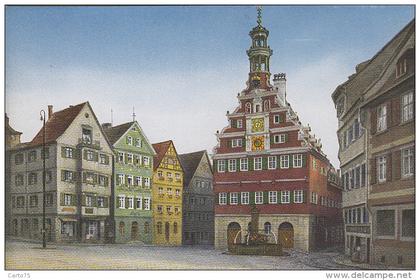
x: 133, y: 172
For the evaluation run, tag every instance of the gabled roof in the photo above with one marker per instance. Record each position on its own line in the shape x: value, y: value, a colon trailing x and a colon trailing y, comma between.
x: 8, y: 129
x: 114, y: 133
x: 160, y: 149
x: 190, y: 163
x: 57, y: 124
x: 372, y: 69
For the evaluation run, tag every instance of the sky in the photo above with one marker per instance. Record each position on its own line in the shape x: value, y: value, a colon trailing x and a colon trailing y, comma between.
x: 181, y: 67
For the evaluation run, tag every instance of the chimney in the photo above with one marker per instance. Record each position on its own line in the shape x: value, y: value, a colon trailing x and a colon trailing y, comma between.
x: 50, y: 111
x: 106, y: 125
x: 279, y: 83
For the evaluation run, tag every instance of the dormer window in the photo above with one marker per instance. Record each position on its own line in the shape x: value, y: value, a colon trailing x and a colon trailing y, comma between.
x: 87, y: 136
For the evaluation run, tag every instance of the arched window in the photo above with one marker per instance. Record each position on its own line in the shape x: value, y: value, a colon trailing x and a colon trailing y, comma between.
x: 146, y: 227
x: 159, y: 227
x: 267, y: 228
x: 267, y: 105
x: 257, y: 108
x: 175, y: 228
x: 122, y: 228
x: 248, y: 107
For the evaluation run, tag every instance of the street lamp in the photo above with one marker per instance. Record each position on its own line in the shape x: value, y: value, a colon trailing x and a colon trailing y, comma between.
x: 44, y: 240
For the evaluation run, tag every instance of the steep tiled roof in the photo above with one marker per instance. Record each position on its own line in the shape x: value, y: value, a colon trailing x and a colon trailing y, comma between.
x: 57, y: 124
x: 190, y: 163
x: 160, y: 149
x: 8, y: 129
x: 371, y: 70
x: 115, y: 133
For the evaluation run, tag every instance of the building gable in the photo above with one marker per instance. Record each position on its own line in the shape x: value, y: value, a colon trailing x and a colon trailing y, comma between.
x: 128, y: 140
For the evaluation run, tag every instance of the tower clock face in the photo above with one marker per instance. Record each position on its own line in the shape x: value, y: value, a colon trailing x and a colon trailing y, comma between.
x: 257, y: 143
x: 258, y: 125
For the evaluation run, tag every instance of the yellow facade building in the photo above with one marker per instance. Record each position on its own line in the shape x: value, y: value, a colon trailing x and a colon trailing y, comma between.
x: 167, y: 195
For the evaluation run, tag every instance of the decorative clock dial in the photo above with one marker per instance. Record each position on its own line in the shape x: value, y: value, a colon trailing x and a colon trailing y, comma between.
x: 258, y: 143
x: 258, y: 125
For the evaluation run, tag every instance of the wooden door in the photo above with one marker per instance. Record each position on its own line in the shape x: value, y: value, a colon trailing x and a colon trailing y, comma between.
x: 134, y: 231
x: 286, y: 235
x: 167, y: 232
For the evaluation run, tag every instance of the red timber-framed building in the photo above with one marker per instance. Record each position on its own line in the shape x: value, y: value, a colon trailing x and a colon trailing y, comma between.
x: 266, y: 159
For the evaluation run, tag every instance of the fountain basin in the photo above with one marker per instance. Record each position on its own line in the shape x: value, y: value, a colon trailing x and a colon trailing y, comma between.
x: 268, y: 249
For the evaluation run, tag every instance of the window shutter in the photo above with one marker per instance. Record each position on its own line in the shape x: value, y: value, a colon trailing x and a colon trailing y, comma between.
x: 290, y: 161
x: 76, y: 153
x: 388, y: 114
x: 304, y: 160
x: 233, y: 122
x: 271, y: 140
x: 61, y: 199
x: 106, y: 202
x: 106, y: 159
x: 229, y: 143
x: 85, y: 154
x: 96, y: 156
x: 251, y: 198
x: 95, y: 178
x: 150, y: 204
x: 126, y: 202
x: 238, y: 164
x: 396, y: 111
x: 292, y: 196
x: 227, y: 198
x: 373, y: 119
x: 281, y: 119
x: 389, y: 167
x: 94, y: 201
x: 62, y: 175
x: 125, y: 158
x: 286, y: 137
x: 373, y: 171
x: 264, y: 163
x: 63, y: 152
x: 83, y: 200
x: 305, y: 196
x: 396, y: 158
x: 106, y: 181
x: 73, y: 200
x: 265, y: 197
x: 279, y: 197
x: 250, y: 164
x: 84, y: 177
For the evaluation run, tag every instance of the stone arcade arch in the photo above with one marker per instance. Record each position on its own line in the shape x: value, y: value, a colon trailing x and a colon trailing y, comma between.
x: 232, y: 232
x: 286, y: 235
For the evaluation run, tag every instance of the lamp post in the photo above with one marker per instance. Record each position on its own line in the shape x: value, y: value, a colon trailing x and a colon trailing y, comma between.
x: 44, y: 240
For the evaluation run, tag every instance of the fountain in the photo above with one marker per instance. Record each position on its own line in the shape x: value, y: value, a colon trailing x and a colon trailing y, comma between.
x: 256, y: 242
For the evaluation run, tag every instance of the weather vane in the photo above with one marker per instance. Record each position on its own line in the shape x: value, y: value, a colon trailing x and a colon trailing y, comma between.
x: 259, y: 20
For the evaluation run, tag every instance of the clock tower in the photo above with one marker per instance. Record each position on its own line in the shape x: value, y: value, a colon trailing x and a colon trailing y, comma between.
x: 266, y: 159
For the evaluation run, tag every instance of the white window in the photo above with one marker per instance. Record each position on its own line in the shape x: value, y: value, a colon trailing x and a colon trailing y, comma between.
x: 139, y: 180
x: 89, y: 200
x: 120, y: 157
x: 222, y: 198
x: 68, y: 152
x: 236, y: 143
x: 138, y: 142
x: 147, y: 203
x: 244, y: 164
x: 272, y: 197
x: 130, y: 201
x: 239, y: 123
x: 298, y: 196
x: 280, y: 138
x: 169, y: 191
x: 120, y: 179
x: 232, y: 165
x: 221, y: 165
x: 259, y: 198
x: 272, y: 162
x: 244, y: 197
x: 407, y: 107
x: 284, y: 161
x: 314, y: 198
x: 258, y: 163
x: 101, y: 201
x: 102, y: 159
x: 129, y: 140
x: 121, y: 202
x: 276, y: 118
x: 160, y: 190
x: 178, y: 177
x: 146, y: 160
x: 146, y: 182
x: 67, y: 199
x: 139, y: 203
x: 381, y: 165
x: 408, y: 162
x: 130, y: 158
x: 89, y: 155
x: 234, y: 198
x: 285, y: 196
x: 381, y: 122
x: 297, y: 160
x: 130, y: 180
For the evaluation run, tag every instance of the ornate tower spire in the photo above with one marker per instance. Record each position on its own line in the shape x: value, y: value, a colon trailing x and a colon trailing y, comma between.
x: 259, y: 56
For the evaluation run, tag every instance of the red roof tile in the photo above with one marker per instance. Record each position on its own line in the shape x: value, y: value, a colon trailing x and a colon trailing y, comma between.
x: 57, y: 124
x: 160, y: 149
